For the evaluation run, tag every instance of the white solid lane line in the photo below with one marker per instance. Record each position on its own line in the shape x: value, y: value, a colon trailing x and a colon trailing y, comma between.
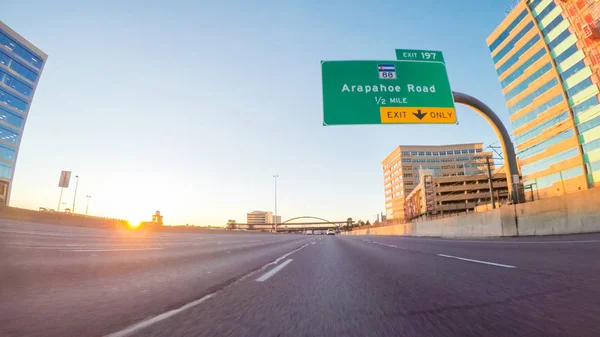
x: 144, y: 324
x: 477, y: 261
x: 450, y: 256
x: 386, y: 245
x: 273, y: 271
x: 284, y: 256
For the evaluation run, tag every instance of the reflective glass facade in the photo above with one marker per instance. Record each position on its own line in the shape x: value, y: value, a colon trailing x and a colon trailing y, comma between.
x: 549, y: 75
x: 21, y: 65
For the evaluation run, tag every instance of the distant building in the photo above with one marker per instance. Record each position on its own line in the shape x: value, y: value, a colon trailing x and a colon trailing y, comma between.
x: 260, y: 217
x: 21, y: 65
x: 454, y: 194
x: 157, y: 221
x: 157, y: 218
x: 401, y: 169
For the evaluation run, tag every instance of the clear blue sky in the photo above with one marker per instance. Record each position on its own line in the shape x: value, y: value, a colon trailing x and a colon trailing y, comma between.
x: 190, y: 107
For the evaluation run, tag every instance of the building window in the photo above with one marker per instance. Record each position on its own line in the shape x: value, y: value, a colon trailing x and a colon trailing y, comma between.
x: 442, y: 153
x: 553, y: 24
x: 29, y: 57
x: 421, y: 153
x: 413, y: 153
x: 428, y: 153
x: 541, y: 146
x: 511, y: 44
x: 408, y: 175
x: 435, y: 153
x: 565, y: 54
x: 13, y: 101
x: 573, y: 70
x: 526, y: 83
x: 8, y: 136
x: 406, y: 160
x: 479, y: 150
x: 577, y: 88
x: 471, y: 150
x: 406, y: 153
x: 407, y: 168
x: 7, y: 153
x: 517, y: 55
x: 5, y: 171
x: 11, y: 118
x: 521, y: 70
x: 17, y: 85
x: 549, y: 161
x: 541, y: 15
x: 409, y: 183
x: 17, y: 67
x: 506, y: 33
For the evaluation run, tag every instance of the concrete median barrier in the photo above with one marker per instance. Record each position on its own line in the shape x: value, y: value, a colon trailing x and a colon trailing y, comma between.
x: 55, y: 218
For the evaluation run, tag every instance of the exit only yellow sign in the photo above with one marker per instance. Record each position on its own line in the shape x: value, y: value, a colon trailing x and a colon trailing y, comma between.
x: 420, y: 115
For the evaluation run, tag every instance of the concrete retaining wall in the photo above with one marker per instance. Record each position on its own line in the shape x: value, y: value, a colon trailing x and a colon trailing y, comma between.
x: 484, y: 224
x: 400, y: 229
x: 569, y: 214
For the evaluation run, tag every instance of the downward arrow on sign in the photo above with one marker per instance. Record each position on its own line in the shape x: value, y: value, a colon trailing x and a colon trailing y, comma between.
x: 420, y: 114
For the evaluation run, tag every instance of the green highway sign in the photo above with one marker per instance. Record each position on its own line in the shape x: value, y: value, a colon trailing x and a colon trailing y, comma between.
x: 387, y: 92
x: 419, y: 55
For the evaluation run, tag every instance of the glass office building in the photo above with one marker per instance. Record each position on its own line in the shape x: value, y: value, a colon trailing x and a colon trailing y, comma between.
x: 546, y: 55
x: 21, y: 65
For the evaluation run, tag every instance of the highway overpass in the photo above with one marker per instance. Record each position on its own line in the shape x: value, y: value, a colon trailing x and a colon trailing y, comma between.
x: 289, y: 226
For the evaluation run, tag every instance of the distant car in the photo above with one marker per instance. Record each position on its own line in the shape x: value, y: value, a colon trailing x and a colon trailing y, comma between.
x: 308, y: 232
x: 44, y: 209
x: 330, y: 232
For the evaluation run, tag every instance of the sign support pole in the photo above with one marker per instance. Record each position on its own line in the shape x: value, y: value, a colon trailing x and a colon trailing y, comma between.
x: 60, y: 198
x: 507, y: 145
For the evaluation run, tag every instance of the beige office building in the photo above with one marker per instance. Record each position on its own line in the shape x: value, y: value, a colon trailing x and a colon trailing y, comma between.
x: 401, y: 169
x: 260, y: 217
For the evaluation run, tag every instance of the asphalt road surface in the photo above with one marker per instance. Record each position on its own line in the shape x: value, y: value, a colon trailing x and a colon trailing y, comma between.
x: 60, y: 281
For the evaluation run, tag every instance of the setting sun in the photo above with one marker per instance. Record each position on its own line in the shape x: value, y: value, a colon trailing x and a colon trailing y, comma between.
x: 134, y: 223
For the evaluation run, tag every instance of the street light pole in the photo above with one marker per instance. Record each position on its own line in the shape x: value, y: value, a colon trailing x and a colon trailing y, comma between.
x: 75, y: 195
x: 87, y: 206
x: 275, y: 218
